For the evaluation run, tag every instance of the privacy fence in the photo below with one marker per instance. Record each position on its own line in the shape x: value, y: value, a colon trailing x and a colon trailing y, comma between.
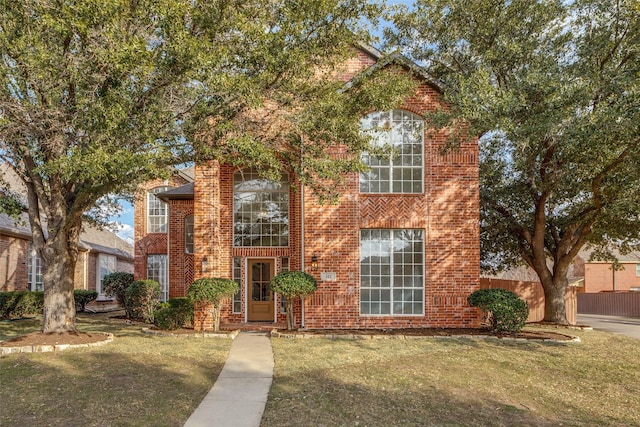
x: 610, y: 304
x: 533, y: 294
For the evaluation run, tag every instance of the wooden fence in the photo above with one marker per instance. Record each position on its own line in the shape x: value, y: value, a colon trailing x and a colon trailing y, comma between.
x: 533, y: 294
x: 610, y: 304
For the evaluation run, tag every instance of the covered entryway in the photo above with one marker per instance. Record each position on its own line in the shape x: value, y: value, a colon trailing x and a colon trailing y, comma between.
x: 260, y: 305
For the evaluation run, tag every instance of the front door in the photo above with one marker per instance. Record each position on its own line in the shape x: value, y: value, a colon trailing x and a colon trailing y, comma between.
x: 260, y: 297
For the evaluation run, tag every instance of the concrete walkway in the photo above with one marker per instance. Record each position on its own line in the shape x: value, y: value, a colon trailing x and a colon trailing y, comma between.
x: 239, y: 395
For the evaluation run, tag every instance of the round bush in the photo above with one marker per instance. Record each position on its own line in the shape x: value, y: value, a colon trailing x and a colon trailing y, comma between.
x: 291, y: 285
x: 507, y: 312
x: 214, y: 291
x: 141, y: 299
x: 116, y: 284
x: 174, y: 314
x: 83, y: 297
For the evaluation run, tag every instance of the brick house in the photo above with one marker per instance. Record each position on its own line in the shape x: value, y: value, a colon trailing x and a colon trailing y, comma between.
x: 100, y: 252
x: 400, y: 249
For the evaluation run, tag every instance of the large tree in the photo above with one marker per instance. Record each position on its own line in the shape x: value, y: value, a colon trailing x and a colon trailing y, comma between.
x: 97, y: 97
x: 553, y: 89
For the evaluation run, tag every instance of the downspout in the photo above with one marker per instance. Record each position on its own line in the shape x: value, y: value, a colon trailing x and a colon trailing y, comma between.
x: 85, y: 279
x: 302, y: 227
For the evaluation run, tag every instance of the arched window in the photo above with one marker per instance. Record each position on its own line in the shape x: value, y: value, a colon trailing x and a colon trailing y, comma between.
x: 400, y: 134
x: 188, y: 234
x: 157, y: 212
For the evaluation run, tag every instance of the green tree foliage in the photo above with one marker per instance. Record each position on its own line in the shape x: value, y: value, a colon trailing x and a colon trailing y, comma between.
x: 292, y: 285
x: 505, y: 311
x: 116, y: 284
x: 553, y: 89
x: 213, y: 291
x: 97, y: 97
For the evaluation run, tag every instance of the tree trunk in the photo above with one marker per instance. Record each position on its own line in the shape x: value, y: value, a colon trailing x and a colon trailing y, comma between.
x: 555, y: 291
x: 291, y: 318
x: 59, y: 270
x: 215, y: 310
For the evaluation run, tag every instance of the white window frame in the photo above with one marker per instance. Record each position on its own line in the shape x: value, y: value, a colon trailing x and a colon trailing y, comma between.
x: 403, y: 171
x: 638, y: 270
x: 157, y: 211
x: 34, y: 270
x: 189, y: 234
x: 236, y: 299
x: 378, y: 279
x: 159, y: 263
x: 250, y: 202
x: 105, y: 264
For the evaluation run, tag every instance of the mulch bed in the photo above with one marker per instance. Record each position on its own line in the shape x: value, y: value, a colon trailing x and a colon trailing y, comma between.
x: 41, y: 338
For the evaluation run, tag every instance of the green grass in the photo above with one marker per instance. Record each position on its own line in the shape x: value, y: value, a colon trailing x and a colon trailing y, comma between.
x: 137, y: 380
x: 455, y: 382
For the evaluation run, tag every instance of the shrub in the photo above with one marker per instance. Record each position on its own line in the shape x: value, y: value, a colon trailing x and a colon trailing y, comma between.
x: 506, y: 312
x: 175, y: 313
x: 141, y: 299
x: 20, y: 303
x: 116, y: 284
x: 292, y: 285
x: 83, y: 297
x: 212, y: 291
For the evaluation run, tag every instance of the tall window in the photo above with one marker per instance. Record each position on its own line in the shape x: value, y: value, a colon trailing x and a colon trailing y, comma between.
x: 391, y: 272
x: 157, y: 270
x: 34, y: 271
x: 260, y: 210
x: 237, y: 277
x: 638, y: 270
x: 188, y: 234
x: 400, y: 134
x: 157, y: 212
x: 106, y: 265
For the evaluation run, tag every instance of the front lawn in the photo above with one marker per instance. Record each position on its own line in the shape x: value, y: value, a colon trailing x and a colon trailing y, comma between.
x: 455, y: 382
x: 137, y: 380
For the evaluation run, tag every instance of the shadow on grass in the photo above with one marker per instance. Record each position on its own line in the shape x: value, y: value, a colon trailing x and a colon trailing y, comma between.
x: 138, y: 380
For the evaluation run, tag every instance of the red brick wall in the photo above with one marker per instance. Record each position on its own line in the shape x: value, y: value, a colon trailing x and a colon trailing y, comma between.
x: 13, y: 263
x: 599, y: 277
x: 148, y: 243
x: 447, y: 211
x: 181, y: 264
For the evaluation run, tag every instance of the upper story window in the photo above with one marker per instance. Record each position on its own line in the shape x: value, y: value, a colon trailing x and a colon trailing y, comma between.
x: 157, y: 212
x: 260, y: 210
x: 188, y: 234
x: 402, y: 134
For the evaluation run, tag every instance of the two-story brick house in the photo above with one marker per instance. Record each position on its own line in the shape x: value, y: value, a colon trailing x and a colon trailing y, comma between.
x: 400, y: 249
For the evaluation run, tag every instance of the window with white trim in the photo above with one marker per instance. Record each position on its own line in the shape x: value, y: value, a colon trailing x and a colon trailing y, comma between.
x: 637, y: 270
x: 401, y: 135
x: 157, y: 270
x: 188, y: 234
x: 236, y: 300
x: 106, y: 264
x: 34, y: 271
x: 391, y: 272
x: 284, y: 266
x: 157, y: 211
x: 260, y: 211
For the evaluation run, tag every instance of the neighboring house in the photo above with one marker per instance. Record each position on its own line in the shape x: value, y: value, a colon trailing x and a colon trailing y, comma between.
x: 604, y: 276
x: 400, y: 249
x: 101, y: 252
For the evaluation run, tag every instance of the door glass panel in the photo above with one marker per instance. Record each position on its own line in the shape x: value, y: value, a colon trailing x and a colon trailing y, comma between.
x: 260, y: 277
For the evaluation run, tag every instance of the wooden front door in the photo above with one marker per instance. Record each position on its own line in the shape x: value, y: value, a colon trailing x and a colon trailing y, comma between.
x: 260, y: 297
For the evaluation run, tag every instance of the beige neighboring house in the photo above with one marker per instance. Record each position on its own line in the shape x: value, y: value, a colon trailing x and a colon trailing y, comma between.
x: 101, y: 252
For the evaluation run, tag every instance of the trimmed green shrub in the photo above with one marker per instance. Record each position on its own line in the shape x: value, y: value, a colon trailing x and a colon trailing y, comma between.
x: 83, y: 297
x: 505, y: 311
x: 175, y: 313
x: 292, y: 285
x: 21, y: 303
x: 141, y: 299
x: 116, y: 284
x: 214, y: 291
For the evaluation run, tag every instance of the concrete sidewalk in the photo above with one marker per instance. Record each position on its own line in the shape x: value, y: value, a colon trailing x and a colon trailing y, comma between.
x: 239, y: 395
